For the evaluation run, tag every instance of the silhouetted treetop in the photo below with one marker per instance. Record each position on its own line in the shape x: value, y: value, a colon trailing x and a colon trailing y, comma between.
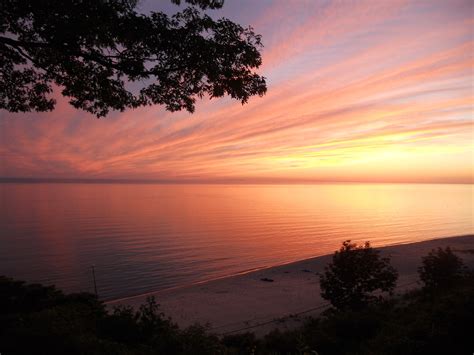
x: 356, y: 272
x: 104, y: 55
x: 203, y: 4
x: 441, y: 269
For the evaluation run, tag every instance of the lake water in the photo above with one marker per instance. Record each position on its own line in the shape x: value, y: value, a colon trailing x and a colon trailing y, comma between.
x: 147, y: 237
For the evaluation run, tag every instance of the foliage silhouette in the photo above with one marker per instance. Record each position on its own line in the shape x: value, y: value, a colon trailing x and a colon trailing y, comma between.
x: 354, y: 274
x: 415, y: 323
x: 43, y: 320
x: 104, y: 55
x: 440, y: 269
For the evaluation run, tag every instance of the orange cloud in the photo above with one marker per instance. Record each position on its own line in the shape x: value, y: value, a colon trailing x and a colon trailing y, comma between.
x: 365, y: 91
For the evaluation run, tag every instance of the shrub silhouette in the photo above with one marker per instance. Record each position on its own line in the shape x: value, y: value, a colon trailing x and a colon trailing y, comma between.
x: 354, y: 274
x: 35, y: 319
x: 42, y: 320
x: 441, y: 268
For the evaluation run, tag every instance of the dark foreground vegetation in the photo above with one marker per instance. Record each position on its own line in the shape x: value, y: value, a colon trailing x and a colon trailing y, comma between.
x: 436, y: 319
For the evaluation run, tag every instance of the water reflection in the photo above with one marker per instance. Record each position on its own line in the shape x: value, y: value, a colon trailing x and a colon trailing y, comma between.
x: 148, y: 237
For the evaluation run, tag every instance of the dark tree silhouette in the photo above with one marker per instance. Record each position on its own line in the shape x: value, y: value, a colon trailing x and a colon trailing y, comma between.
x: 354, y: 274
x: 440, y: 269
x: 104, y: 55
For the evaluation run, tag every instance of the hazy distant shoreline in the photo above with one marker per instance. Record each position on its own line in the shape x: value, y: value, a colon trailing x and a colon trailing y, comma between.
x: 244, y: 300
x: 14, y: 180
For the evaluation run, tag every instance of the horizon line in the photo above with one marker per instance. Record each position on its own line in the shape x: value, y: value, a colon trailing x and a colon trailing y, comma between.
x: 212, y: 182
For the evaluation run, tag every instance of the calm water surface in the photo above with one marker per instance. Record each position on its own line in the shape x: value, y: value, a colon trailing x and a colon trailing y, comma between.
x: 150, y: 237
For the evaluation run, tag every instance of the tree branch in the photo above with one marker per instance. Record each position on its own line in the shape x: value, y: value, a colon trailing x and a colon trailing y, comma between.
x: 90, y: 55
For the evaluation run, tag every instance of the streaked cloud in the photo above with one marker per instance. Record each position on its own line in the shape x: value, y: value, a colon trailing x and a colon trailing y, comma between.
x: 364, y: 91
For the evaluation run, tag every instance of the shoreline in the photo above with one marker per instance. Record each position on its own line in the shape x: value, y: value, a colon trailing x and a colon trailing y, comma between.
x: 257, y: 269
x: 239, y: 302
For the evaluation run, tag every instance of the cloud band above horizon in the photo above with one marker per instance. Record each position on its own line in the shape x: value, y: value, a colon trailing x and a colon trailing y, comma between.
x: 363, y: 91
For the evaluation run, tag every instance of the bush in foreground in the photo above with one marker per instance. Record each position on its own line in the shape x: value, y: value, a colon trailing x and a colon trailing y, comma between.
x: 35, y: 319
x: 441, y: 269
x: 412, y: 324
x: 42, y: 320
x: 355, y: 273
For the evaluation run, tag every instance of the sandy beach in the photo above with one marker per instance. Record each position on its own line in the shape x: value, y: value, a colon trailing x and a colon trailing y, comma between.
x: 280, y: 296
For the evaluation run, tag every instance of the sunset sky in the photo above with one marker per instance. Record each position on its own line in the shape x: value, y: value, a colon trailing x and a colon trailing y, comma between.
x: 357, y: 91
